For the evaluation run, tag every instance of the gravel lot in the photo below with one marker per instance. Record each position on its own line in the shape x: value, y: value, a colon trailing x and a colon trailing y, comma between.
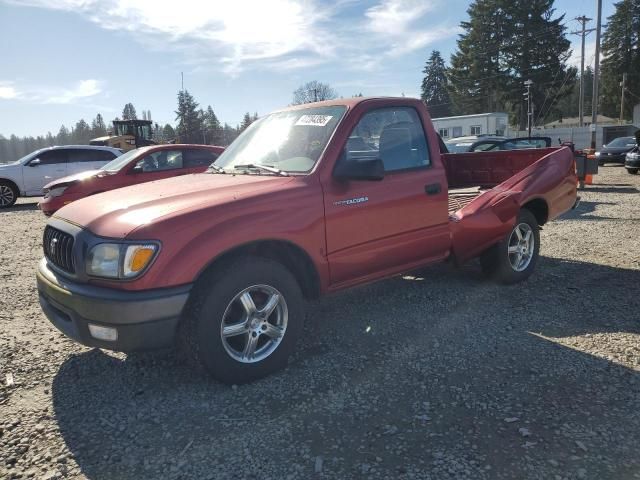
x: 439, y: 375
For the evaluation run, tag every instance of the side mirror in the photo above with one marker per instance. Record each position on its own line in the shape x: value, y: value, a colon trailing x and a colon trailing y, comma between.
x: 371, y: 169
x: 35, y: 162
x: 137, y: 169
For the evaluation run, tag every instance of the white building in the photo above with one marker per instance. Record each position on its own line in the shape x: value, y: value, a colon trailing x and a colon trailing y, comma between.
x: 478, y: 124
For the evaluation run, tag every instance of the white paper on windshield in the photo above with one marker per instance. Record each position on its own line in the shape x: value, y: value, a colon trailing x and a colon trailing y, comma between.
x: 314, y: 120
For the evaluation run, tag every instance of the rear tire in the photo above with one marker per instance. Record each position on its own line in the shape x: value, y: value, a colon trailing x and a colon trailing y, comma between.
x: 243, y: 321
x: 8, y: 194
x: 632, y: 171
x: 514, y: 258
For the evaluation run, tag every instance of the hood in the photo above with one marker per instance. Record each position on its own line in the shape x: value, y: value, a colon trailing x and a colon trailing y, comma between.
x: 118, y: 212
x: 616, y: 150
x: 11, y: 164
x: 78, y: 177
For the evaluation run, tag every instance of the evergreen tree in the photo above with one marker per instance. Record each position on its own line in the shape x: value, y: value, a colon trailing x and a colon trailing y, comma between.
x: 434, y: 87
x: 212, y: 127
x: 246, y: 121
x: 63, y: 136
x: 98, y: 127
x: 189, y: 121
x: 81, y: 133
x: 229, y: 134
x: 168, y: 133
x: 621, y: 53
x: 505, y: 43
x: 129, y: 112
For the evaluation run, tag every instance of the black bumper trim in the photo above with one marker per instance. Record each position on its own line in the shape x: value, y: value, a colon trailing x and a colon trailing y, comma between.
x: 144, y: 320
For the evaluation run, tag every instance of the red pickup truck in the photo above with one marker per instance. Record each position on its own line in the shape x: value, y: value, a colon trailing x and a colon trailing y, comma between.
x: 308, y: 200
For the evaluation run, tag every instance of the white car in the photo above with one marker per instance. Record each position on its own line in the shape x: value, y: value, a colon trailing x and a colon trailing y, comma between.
x: 27, y: 176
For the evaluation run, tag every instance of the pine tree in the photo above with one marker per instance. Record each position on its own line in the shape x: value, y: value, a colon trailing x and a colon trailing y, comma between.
x: 212, y: 127
x: 63, y: 136
x: 81, y: 133
x: 621, y: 53
x: 246, y: 121
x: 129, y: 112
x: 434, y: 86
x: 168, y: 133
x: 189, y: 121
x: 505, y: 43
x: 98, y: 128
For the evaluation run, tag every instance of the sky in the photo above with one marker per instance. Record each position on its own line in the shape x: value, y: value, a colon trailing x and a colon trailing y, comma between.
x: 69, y: 59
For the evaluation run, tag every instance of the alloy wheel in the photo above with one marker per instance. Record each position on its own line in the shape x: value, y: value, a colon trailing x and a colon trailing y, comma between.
x: 7, y: 196
x: 254, y: 323
x: 521, y: 247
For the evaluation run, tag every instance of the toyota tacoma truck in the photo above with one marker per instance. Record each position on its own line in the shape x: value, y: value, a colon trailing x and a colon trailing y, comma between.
x: 309, y: 200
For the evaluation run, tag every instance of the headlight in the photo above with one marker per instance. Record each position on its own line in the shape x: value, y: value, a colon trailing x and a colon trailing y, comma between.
x: 116, y: 260
x: 54, y: 192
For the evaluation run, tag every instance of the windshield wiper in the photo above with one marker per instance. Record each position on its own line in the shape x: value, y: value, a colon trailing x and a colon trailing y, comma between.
x: 266, y: 168
x: 216, y: 168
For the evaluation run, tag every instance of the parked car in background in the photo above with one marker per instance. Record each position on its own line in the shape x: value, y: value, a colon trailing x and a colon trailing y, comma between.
x: 616, y: 150
x: 489, y: 144
x: 27, y: 176
x: 136, y: 166
x: 465, y: 144
x: 632, y: 161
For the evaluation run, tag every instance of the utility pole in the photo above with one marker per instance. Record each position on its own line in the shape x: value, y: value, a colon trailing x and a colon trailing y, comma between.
x: 596, y: 75
x: 623, y: 84
x: 182, y: 81
x: 528, y: 84
x: 583, y: 33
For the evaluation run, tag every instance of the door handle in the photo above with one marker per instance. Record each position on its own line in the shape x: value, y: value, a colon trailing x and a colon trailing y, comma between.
x: 432, y: 189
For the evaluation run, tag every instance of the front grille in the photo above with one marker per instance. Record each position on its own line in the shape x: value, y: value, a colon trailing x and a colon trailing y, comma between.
x: 58, y: 248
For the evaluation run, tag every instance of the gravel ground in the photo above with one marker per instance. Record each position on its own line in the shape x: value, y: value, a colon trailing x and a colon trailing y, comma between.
x: 437, y: 375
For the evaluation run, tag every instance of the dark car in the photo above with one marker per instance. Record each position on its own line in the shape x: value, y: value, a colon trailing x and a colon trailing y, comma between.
x: 632, y: 161
x: 616, y: 150
x: 496, y: 143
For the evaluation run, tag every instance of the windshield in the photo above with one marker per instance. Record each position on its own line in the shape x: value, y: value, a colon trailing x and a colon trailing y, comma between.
x: 623, y: 142
x: 291, y: 141
x: 117, y: 163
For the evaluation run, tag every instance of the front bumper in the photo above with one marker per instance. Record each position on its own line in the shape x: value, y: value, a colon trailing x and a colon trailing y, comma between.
x: 612, y: 158
x: 143, y: 320
x: 632, y: 162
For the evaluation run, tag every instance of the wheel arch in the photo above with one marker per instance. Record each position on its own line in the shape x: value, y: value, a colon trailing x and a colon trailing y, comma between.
x: 292, y: 256
x: 539, y: 208
x: 11, y: 183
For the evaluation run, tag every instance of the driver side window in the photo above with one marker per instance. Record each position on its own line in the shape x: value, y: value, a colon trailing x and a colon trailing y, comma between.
x: 161, y: 160
x: 394, y: 134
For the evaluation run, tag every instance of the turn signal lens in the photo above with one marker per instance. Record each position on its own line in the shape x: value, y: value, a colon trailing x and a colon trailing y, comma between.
x: 137, y: 258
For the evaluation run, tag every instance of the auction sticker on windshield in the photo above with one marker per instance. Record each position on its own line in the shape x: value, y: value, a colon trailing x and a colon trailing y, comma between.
x: 314, y: 120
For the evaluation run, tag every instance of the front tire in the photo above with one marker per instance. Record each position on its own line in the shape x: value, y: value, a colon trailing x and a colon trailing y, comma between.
x: 514, y: 258
x: 244, y: 320
x: 8, y: 194
x: 632, y: 171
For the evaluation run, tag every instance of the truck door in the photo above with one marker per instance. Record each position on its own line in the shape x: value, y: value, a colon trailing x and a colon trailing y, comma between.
x: 379, y: 227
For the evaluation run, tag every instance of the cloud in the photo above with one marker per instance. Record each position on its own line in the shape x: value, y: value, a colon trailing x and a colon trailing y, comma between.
x: 39, y: 94
x: 7, y: 91
x: 236, y: 35
x: 393, y: 17
x: 83, y: 89
x: 589, y: 54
